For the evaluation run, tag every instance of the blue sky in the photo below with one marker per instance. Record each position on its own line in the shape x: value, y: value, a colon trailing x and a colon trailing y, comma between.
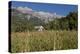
x: 61, y: 9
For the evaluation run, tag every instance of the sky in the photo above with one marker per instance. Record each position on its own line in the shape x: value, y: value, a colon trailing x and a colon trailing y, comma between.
x: 61, y: 9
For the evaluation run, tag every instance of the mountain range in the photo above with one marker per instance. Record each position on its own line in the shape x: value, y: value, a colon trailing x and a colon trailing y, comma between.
x: 28, y: 12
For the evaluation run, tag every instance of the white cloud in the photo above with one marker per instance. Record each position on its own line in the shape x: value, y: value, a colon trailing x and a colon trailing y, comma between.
x: 24, y: 9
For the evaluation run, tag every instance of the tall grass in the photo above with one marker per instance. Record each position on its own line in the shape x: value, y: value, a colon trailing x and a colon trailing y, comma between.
x: 43, y: 41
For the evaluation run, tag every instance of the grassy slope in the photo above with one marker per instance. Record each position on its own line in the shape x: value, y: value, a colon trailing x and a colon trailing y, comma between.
x: 43, y: 41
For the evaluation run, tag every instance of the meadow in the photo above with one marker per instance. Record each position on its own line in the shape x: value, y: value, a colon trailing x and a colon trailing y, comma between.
x: 43, y: 41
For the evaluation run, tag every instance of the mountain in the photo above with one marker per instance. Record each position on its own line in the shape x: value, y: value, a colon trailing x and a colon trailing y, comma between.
x: 19, y: 18
x: 44, y: 16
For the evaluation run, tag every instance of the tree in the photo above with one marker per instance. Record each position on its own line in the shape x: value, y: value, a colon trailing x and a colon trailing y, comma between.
x: 70, y: 22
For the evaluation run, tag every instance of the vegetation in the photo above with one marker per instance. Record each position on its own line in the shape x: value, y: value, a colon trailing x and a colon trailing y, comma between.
x: 43, y: 41
x: 59, y: 34
x: 19, y: 24
x: 70, y: 22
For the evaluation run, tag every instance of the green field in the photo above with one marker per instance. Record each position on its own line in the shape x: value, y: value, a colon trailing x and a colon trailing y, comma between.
x: 43, y: 41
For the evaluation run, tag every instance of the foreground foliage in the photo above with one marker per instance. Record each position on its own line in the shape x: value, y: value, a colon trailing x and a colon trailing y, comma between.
x: 43, y: 41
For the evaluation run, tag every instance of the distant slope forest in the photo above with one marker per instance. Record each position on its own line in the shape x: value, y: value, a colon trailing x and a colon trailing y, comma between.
x: 70, y: 22
x: 20, y: 23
